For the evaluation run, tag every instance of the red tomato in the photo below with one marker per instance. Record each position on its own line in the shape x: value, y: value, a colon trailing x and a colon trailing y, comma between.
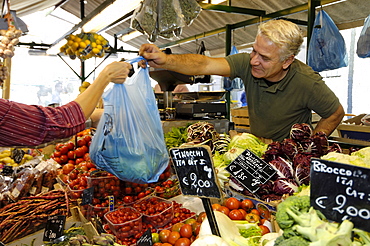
x: 87, y: 138
x: 243, y: 212
x: 57, y: 160
x: 264, y: 211
x: 264, y: 229
x: 216, y: 206
x: 224, y: 210
x: 235, y: 214
x: 70, y: 145
x: 128, y: 199
x: 164, y: 235
x: 64, y: 159
x: 247, y: 204
x: 81, y: 142
x: 78, y: 161
x: 201, y: 217
x: 71, y: 155
x: 87, y: 157
x: 183, y: 242
x: 64, y: 150
x: 67, y: 168
x: 173, y: 237
x: 186, y: 231
x: 57, y: 154
x: 80, y: 152
x: 232, y: 203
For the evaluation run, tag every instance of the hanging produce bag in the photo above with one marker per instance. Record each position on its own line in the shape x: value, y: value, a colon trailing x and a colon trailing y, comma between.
x: 164, y: 18
x: 129, y: 140
x: 363, y: 43
x: 327, y: 49
x: 236, y: 83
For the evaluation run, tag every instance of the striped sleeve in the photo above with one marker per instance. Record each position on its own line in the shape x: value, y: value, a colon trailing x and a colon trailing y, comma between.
x: 32, y: 125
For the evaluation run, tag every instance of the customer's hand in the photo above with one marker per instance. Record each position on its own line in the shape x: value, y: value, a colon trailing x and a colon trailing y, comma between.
x: 117, y: 72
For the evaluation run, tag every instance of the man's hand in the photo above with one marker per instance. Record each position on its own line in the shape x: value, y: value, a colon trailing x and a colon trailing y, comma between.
x: 153, y: 55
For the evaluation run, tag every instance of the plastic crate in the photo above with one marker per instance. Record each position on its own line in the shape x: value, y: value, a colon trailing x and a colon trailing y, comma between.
x: 160, y: 211
x: 104, y: 186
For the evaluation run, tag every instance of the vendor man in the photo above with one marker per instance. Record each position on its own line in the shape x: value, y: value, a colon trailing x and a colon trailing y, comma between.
x: 280, y: 89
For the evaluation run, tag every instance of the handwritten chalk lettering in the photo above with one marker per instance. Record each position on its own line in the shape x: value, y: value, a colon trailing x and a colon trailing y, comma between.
x: 344, y: 181
x: 323, y: 168
x: 352, y: 211
x: 180, y: 163
x: 177, y: 154
x: 354, y: 193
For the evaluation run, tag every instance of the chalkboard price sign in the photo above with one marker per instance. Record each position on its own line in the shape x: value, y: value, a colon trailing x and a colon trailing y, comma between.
x: 250, y: 170
x: 145, y: 239
x: 194, y: 169
x: 54, y: 227
x: 341, y: 191
x: 87, y: 196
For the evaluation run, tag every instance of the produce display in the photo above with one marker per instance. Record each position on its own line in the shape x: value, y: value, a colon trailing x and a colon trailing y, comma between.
x: 279, y: 213
x: 85, y: 46
x: 8, y: 42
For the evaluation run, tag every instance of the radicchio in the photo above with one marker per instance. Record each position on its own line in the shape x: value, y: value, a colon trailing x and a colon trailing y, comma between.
x: 285, y: 186
x: 302, y: 173
x: 284, y: 168
x: 272, y: 152
x: 289, y: 147
x: 321, y: 141
x: 300, y: 131
x: 336, y: 148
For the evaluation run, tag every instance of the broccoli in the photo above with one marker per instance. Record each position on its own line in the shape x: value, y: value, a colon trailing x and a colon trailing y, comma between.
x: 342, y: 236
x: 292, y: 241
x: 297, y: 203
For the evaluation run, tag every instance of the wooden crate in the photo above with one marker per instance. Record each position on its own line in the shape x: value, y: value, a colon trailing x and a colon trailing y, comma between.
x: 351, y: 131
x: 240, y: 117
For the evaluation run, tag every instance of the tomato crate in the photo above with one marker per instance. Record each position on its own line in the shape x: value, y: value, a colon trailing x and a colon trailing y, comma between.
x: 121, y: 228
x: 74, y: 194
x: 156, y: 211
x: 105, y: 186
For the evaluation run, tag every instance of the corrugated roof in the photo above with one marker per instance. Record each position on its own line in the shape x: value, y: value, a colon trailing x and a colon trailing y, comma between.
x: 209, y: 26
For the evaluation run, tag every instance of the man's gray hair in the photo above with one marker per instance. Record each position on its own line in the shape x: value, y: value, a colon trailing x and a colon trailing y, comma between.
x: 285, y: 34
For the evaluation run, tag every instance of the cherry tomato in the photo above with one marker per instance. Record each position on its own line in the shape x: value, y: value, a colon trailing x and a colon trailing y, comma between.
x: 80, y: 152
x: 232, y: 203
x: 71, y: 155
x: 64, y: 150
x: 243, y: 212
x: 255, y: 211
x: 70, y: 145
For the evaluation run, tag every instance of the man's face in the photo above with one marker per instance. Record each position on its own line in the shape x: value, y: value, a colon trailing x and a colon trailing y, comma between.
x: 265, y: 60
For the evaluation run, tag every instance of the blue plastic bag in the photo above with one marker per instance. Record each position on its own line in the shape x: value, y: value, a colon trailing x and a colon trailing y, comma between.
x: 327, y: 49
x: 363, y: 43
x: 129, y: 140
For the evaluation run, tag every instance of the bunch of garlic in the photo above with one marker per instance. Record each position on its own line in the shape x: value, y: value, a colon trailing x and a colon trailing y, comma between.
x: 8, y: 41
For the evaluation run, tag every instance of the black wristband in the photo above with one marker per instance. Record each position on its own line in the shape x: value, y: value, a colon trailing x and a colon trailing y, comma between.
x: 132, y: 71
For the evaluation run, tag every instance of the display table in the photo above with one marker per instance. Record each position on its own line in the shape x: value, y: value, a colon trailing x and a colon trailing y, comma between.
x: 221, y: 125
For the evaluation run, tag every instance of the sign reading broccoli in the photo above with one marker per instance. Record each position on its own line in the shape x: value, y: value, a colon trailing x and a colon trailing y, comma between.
x: 341, y: 192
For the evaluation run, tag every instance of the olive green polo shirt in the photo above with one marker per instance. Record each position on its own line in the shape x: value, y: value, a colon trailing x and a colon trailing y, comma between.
x: 273, y: 110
